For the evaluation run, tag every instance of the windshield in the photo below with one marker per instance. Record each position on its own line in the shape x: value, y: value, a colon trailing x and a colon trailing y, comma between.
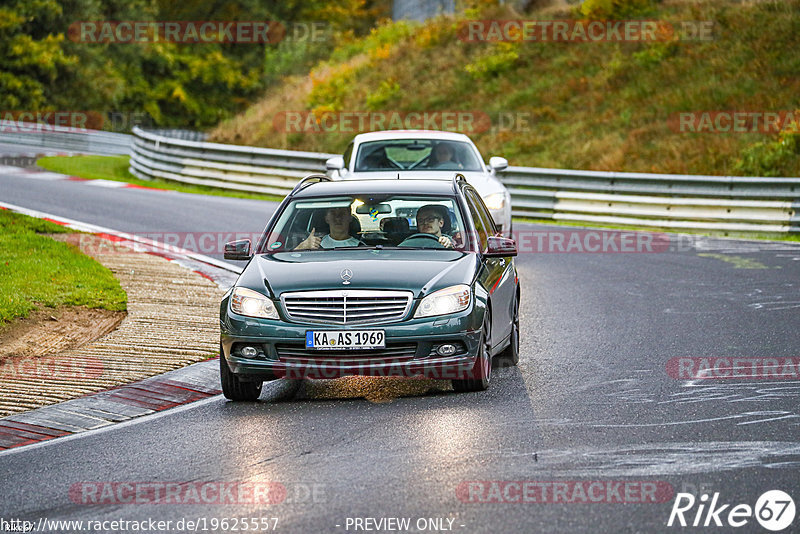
x: 417, y: 154
x: 368, y: 221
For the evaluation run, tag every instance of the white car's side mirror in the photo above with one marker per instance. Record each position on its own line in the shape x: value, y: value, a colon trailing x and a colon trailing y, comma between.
x: 335, y: 163
x: 498, y: 164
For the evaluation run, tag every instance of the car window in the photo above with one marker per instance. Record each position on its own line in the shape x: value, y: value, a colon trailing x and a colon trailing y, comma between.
x: 386, y: 220
x: 482, y: 224
x: 491, y: 227
x: 417, y: 154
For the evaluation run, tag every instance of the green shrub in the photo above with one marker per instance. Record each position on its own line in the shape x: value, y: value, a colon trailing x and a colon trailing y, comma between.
x: 388, y: 91
x: 330, y: 87
x: 499, y: 58
x: 388, y: 33
x: 654, y: 54
x: 610, y: 9
x: 771, y: 158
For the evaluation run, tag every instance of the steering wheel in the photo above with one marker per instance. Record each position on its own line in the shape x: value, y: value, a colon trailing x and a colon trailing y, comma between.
x: 422, y: 235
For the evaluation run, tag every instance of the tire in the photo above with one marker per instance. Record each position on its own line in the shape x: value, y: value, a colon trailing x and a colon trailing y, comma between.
x: 510, y: 355
x: 482, y: 370
x: 232, y: 387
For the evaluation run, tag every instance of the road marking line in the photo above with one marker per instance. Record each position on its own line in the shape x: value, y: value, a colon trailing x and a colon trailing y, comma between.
x: 111, y: 184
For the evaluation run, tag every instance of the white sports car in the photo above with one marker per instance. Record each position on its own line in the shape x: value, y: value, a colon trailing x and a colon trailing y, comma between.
x: 424, y: 154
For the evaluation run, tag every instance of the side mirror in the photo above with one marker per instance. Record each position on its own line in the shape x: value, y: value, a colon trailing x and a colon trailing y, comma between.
x: 335, y: 163
x: 498, y: 164
x: 500, y: 247
x: 237, y: 250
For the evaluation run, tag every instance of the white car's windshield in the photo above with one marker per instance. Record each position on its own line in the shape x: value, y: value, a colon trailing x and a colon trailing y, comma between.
x: 369, y: 221
x: 416, y: 154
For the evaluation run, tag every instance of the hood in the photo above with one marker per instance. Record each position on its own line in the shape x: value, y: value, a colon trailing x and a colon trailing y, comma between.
x: 418, y: 271
x: 484, y: 182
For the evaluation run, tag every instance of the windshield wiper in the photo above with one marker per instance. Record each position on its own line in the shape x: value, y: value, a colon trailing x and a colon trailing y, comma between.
x: 366, y: 247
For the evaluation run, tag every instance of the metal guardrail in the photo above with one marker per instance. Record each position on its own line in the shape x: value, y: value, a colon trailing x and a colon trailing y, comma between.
x: 681, y: 202
x: 186, y: 135
x: 723, y: 203
x: 240, y: 168
x: 63, y: 138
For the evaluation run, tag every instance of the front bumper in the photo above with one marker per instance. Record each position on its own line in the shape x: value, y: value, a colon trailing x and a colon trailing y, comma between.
x: 411, y: 349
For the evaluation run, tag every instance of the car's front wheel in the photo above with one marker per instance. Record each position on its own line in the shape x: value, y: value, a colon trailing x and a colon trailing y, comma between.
x: 232, y: 387
x: 482, y: 370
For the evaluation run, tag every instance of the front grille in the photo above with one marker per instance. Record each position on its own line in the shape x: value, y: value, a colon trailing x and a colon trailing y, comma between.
x: 393, y: 353
x: 347, y: 306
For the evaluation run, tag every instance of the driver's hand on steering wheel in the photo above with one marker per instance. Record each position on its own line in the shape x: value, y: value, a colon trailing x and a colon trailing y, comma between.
x: 446, y: 242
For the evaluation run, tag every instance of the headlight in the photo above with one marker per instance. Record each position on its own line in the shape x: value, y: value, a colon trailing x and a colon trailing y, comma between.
x: 495, y: 201
x: 252, y: 303
x: 445, y: 301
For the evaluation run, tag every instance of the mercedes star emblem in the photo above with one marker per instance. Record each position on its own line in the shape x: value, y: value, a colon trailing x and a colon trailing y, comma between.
x: 347, y: 274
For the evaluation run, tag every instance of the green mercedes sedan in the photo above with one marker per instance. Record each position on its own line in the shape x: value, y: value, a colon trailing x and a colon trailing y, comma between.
x: 382, y: 277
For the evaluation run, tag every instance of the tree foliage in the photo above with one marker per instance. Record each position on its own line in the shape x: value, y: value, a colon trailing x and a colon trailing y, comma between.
x: 188, y: 85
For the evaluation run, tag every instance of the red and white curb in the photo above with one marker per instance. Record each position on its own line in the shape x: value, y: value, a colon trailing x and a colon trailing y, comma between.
x: 169, y: 390
x: 34, y: 174
x: 175, y: 388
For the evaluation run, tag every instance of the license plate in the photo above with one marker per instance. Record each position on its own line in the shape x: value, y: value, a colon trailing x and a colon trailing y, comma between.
x: 345, y: 339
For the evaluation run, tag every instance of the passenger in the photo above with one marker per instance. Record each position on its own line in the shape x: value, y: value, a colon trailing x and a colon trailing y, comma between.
x: 431, y: 220
x: 338, y: 220
x: 378, y: 160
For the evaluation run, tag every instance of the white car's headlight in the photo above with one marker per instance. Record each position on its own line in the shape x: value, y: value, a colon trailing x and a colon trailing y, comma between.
x: 495, y: 201
x: 252, y: 303
x: 445, y: 301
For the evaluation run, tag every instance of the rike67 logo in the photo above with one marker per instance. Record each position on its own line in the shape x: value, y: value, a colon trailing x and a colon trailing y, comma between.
x: 774, y: 510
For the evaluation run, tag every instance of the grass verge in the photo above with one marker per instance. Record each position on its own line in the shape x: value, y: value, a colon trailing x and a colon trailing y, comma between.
x: 607, y: 106
x: 116, y: 168
x: 37, y: 271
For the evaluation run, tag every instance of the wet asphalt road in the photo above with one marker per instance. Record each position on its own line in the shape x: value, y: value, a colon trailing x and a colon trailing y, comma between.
x: 591, y: 400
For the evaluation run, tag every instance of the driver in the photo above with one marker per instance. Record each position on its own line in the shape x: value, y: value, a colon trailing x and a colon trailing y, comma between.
x: 430, y: 220
x: 443, y: 157
x: 338, y: 220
